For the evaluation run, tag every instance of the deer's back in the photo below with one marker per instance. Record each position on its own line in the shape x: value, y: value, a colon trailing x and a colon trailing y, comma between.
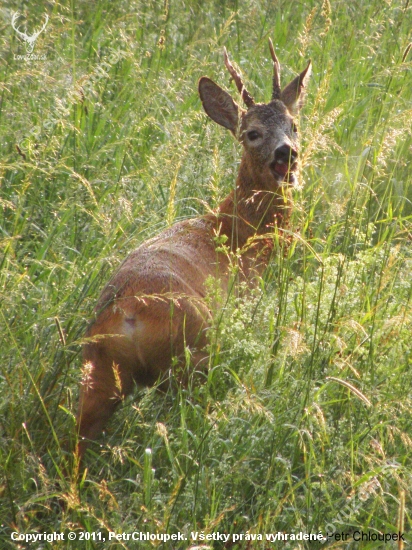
x: 154, y: 305
x: 176, y: 262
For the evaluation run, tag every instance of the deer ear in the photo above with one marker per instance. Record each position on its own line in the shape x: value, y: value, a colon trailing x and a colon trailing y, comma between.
x: 219, y: 105
x: 293, y: 94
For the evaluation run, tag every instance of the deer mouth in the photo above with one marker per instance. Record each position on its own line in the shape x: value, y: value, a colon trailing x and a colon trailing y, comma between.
x: 283, y: 170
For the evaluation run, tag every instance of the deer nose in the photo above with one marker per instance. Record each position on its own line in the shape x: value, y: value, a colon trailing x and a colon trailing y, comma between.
x: 285, y: 154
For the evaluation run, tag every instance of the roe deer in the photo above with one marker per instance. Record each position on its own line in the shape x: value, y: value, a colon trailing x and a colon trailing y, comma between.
x: 153, y: 307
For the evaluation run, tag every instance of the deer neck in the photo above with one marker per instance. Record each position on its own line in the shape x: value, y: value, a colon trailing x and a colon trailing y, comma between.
x: 252, y: 208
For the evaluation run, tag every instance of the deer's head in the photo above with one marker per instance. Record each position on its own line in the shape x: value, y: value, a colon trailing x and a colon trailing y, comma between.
x: 30, y: 40
x: 267, y: 131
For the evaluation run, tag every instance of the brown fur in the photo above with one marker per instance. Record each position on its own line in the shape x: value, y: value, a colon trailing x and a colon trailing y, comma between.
x: 154, y: 305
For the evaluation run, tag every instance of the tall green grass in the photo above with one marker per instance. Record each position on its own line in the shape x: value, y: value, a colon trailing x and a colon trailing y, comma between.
x: 307, y: 406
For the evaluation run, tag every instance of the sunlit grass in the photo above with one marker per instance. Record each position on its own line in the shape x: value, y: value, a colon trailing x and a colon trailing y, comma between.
x: 307, y: 405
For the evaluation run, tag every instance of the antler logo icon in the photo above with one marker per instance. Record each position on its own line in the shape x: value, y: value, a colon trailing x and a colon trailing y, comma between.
x: 30, y: 40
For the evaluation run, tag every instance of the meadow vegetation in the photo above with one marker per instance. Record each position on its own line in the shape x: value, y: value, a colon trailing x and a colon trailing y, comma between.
x: 304, y: 422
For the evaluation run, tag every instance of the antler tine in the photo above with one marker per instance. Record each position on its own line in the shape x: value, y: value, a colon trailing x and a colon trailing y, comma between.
x: 276, y: 72
x: 46, y: 17
x: 247, y: 98
x: 16, y: 15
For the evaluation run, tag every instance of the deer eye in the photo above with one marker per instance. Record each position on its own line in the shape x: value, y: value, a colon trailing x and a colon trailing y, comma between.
x: 294, y: 128
x: 252, y: 135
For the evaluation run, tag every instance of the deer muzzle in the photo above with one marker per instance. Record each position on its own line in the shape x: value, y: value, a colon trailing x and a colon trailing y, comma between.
x: 284, y: 163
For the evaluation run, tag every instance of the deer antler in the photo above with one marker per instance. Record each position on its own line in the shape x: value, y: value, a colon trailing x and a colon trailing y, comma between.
x: 16, y: 15
x: 29, y: 39
x: 247, y: 98
x: 276, y: 94
x: 36, y: 34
